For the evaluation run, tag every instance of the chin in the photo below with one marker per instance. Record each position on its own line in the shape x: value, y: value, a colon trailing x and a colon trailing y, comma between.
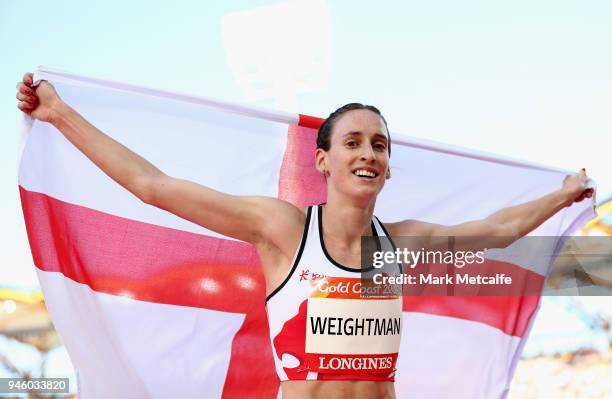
x: 365, y: 194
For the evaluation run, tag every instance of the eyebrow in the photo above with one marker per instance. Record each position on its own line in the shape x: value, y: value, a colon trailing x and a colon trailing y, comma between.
x: 356, y: 132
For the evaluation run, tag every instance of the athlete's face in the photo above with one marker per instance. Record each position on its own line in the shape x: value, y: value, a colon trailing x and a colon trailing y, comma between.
x: 357, y: 162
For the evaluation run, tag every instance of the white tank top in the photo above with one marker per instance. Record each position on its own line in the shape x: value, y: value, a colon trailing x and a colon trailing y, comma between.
x: 321, y: 327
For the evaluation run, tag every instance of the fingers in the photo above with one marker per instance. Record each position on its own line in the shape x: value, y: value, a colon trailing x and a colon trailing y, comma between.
x: 28, y: 79
x: 22, y: 88
x: 588, y: 193
x: 580, y: 197
x: 26, y: 95
x: 25, y: 106
x: 25, y: 102
x: 23, y: 97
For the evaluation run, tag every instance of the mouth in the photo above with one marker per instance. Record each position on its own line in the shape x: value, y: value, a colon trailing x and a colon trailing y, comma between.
x: 366, y: 173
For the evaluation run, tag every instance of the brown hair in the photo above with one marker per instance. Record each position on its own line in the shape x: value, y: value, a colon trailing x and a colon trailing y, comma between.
x: 324, y: 135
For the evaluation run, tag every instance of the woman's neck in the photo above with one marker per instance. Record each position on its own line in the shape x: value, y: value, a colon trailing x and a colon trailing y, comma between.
x: 345, y: 222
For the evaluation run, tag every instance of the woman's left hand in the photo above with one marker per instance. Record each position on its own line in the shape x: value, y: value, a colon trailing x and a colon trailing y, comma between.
x: 575, y: 187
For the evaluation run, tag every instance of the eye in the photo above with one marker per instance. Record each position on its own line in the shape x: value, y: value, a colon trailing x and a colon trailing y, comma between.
x: 351, y: 143
x: 380, y: 146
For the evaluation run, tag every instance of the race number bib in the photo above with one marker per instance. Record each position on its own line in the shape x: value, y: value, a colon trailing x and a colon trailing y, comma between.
x: 349, y: 331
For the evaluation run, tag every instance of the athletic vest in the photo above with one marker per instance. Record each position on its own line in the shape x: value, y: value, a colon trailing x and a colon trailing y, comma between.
x: 326, y: 323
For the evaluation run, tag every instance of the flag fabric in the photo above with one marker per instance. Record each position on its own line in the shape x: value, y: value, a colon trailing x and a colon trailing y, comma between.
x: 153, y: 306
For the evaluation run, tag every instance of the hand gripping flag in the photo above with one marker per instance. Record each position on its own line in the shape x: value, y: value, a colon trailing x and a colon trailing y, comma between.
x: 152, y: 306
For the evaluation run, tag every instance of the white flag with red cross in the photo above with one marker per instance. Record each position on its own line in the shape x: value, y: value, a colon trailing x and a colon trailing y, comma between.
x: 153, y: 306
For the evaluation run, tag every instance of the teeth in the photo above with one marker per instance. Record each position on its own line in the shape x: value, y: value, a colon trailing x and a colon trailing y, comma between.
x: 364, y: 173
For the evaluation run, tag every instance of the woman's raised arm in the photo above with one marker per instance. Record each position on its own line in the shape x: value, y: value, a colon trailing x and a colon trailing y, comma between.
x: 243, y: 218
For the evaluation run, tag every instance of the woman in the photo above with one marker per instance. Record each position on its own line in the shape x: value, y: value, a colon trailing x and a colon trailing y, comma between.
x: 313, y: 335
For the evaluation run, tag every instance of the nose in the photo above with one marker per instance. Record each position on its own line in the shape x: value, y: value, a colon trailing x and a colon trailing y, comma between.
x: 368, y: 154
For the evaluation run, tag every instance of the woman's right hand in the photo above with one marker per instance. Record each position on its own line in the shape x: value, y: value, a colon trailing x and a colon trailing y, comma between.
x: 41, y: 102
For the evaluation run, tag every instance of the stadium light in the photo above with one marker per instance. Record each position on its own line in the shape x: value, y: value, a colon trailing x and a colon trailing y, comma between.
x: 279, y: 51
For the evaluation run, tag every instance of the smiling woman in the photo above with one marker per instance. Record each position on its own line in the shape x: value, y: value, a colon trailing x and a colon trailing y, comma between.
x: 363, y: 142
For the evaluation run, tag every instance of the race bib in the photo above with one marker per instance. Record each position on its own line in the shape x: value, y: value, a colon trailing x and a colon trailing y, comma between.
x: 350, y: 329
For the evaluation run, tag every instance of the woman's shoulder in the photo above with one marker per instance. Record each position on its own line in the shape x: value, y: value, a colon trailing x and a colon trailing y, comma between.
x: 283, y: 217
x: 409, y: 227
